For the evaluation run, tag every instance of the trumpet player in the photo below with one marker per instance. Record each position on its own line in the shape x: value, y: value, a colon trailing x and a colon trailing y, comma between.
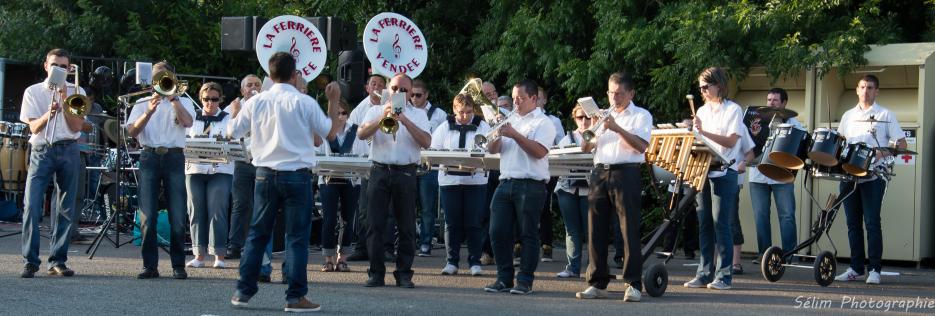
x: 518, y: 200
x: 393, y: 175
x: 159, y: 123
x: 54, y: 155
x: 615, y: 188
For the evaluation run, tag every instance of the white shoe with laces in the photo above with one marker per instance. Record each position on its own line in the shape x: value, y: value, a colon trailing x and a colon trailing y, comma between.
x: 195, y: 263
x: 476, y: 270
x: 219, y: 264
x: 591, y: 293
x: 873, y: 277
x: 631, y: 295
x: 849, y: 275
x: 566, y: 274
x: 694, y: 283
x: 450, y: 269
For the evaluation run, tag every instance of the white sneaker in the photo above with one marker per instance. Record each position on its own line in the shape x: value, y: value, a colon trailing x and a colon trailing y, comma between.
x: 633, y: 295
x: 850, y: 275
x: 566, y: 274
x: 873, y: 277
x: 219, y: 264
x: 717, y: 285
x: 450, y: 269
x: 195, y: 263
x: 591, y: 293
x: 695, y: 283
x: 476, y: 270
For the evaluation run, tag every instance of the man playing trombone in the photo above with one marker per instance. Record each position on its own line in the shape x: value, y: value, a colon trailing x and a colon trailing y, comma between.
x: 615, y: 186
x: 159, y: 123
x: 54, y: 155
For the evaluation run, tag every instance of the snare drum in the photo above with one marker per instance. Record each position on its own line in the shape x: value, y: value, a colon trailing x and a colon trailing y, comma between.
x: 827, y: 145
x: 790, y: 147
x: 856, y: 159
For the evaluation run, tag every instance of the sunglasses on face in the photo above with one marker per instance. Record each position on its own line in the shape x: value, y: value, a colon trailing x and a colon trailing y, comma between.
x: 580, y: 117
x: 705, y: 87
x: 210, y: 99
x: 399, y: 89
x: 342, y: 113
x: 417, y: 95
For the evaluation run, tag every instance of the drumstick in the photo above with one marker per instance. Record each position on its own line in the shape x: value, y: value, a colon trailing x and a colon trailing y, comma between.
x: 691, y: 103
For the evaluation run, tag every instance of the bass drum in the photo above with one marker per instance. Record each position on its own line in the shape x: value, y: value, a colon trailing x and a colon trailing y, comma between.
x: 790, y: 147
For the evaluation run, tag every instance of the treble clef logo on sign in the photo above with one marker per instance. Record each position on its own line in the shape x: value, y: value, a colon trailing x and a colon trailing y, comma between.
x: 294, y: 51
x: 396, y: 48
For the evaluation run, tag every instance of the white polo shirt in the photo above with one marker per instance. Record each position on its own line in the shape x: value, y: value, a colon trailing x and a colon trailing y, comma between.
x: 859, y: 132
x: 516, y: 163
x: 755, y: 175
x: 613, y: 149
x: 404, y: 150
x: 218, y: 128
x: 357, y: 117
x: 281, y: 121
x: 723, y: 119
x: 559, y: 129
x: 37, y: 99
x: 162, y: 130
x: 446, y: 138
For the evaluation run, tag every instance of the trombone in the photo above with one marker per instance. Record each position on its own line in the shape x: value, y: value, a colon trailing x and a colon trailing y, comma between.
x: 75, y: 105
x: 164, y: 83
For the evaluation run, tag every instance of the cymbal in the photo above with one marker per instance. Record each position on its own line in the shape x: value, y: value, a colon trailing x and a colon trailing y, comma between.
x: 897, y: 151
x: 102, y: 115
x: 872, y: 120
x: 768, y: 112
x: 112, y: 130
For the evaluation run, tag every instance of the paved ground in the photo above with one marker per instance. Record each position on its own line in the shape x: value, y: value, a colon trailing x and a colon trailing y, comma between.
x: 106, y: 285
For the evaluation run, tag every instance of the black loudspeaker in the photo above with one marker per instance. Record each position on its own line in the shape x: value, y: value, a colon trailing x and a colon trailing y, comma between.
x: 339, y: 35
x: 353, y: 69
x: 238, y: 33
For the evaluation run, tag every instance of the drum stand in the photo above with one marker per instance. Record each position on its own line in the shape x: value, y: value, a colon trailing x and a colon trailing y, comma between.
x: 775, y: 259
x: 118, y: 209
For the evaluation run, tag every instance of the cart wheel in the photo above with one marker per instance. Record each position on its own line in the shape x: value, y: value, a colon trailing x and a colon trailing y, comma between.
x: 772, y: 264
x: 825, y: 268
x: 655, y: 280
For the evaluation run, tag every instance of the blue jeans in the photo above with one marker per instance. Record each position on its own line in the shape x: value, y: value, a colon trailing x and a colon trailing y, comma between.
x: 784, y: 194
x: 863, y: 210
x: 516, y: 203
x: 241, y: 203
x: 574, y: 210
x: 155, y: 171
x: 208, y: 202
x: 714, y: 227
x: 428, y: 201
x: 464, y: 213
x: 290, y: 192
x: 62, y: 162
x: 334, y: 195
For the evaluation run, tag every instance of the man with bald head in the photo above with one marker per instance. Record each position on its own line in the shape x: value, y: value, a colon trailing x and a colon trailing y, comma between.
x: 393, y: 174
x: 244, y: 173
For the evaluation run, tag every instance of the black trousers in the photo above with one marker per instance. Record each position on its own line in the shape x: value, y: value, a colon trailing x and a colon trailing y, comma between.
x: 394, y: 185
x: 546, y: 235
x: 616, y: 190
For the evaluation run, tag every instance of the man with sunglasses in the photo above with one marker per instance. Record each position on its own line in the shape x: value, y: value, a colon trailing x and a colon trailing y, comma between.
x: 159, y: 123
x: 428, y: 182
x: 392, y: 178
x: 54, y: 155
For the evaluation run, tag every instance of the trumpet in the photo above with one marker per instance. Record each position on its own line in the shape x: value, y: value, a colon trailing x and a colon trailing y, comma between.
x: 75, y: 105
x: 164, y: 83
x: 590, y: 135
x: 389, y: 125
x: 481, y: 141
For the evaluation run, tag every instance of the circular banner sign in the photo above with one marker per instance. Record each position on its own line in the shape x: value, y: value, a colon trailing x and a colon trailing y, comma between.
x: 294, y: 35
x: 395, y: 45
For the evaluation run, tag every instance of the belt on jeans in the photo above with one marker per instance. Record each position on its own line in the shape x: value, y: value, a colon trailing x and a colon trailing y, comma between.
x: 64, y: 142
x: 270, y: 170
x: 616, y: 166
x: 391, y: 167
x: 546, y: 182
x: 163, y: 150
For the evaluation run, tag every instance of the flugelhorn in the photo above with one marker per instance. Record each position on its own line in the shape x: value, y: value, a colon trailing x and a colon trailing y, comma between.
x: 481, y: 141
x: 590, y: 135
x: 474, y: 89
